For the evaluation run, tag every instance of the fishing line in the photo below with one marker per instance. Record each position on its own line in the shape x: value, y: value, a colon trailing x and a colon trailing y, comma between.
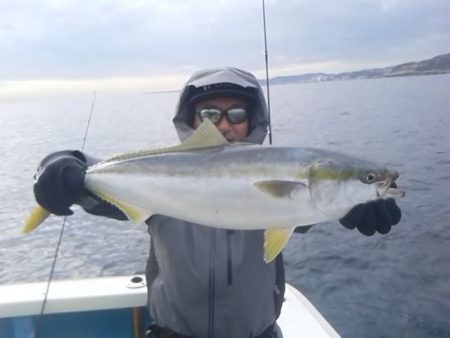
x: 266, y: 57
x: 55, y: 256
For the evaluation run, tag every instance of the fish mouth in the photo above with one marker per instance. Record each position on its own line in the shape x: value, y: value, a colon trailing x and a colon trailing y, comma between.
x: 388, y: 188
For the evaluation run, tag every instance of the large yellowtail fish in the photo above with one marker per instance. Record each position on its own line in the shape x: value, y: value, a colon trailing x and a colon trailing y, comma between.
x: 209, y: 181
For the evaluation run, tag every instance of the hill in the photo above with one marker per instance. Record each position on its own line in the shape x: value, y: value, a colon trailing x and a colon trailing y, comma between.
x: 437, y: 65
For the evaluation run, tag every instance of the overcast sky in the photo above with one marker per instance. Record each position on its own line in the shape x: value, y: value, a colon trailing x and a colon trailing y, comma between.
x: 159, y: 43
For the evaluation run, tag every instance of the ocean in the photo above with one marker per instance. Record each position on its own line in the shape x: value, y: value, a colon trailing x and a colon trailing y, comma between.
x: 394, y: 285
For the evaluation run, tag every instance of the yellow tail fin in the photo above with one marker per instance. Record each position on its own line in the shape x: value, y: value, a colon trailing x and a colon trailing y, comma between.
x: 38, y: 216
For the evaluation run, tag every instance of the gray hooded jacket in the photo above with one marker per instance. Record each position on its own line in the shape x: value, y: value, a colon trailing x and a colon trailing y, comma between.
x: 206, y: 282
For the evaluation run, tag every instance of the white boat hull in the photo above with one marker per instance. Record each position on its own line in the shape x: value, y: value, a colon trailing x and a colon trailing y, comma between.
x: 117, y: 305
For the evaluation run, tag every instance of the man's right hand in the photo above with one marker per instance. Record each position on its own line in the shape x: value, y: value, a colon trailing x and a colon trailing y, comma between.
x: 60, y: 181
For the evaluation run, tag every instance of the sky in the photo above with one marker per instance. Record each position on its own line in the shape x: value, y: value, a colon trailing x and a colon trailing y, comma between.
x: 49, y: 45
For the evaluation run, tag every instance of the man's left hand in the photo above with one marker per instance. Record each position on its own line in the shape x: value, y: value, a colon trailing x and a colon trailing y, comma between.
x: 376, y: 216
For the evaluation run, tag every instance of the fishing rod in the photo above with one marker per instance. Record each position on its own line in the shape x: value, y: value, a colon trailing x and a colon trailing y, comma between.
x: 55, y: 256
x: 266, y: 57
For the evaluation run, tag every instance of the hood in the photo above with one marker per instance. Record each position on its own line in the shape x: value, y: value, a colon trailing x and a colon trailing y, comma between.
x: 207, y: 83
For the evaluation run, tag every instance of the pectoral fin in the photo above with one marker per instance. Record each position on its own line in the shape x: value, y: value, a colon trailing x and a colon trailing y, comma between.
x: 275, y: 240
x: 134, y: 213
x: 38, y: 215
x: 277, y: 188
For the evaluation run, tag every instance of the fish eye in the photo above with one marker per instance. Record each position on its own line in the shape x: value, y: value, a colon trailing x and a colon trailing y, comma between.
x: 370, y: 177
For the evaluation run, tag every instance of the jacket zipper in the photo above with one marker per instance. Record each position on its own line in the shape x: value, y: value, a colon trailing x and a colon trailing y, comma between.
x: 212, y: 277
x: 229, y: 259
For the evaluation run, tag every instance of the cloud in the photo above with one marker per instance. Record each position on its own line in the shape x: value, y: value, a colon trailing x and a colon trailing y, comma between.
x: 68, y: 39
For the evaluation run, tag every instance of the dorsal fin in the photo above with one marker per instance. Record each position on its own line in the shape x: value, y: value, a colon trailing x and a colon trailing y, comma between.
x: 205, y: 136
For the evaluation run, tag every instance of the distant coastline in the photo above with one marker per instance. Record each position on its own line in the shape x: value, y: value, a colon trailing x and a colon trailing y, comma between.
x: 437, y: 65
x: 162, y: 91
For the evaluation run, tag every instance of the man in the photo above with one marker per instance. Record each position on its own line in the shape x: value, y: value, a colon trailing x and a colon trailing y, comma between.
x: 204, y: 282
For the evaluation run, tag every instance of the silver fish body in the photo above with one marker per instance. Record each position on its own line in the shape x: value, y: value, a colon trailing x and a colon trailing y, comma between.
x: 241, y: 187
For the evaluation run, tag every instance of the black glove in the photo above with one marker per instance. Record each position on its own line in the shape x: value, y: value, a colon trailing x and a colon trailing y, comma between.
x: 376, y: 216
x: 60, y: 181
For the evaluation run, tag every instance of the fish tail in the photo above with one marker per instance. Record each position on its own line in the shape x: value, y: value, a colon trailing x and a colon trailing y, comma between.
x: 38, y: 215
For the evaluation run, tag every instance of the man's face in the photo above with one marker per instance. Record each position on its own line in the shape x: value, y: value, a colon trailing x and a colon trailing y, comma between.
x: 231, y: 131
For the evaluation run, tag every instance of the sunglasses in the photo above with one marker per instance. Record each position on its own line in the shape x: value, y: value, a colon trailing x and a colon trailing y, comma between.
x: 234, y: 115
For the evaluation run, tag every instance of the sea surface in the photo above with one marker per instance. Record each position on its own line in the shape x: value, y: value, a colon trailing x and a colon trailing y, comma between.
x: 394, y: 285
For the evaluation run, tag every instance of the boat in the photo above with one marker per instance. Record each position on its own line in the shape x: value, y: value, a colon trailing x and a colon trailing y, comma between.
x: 116, y: 307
